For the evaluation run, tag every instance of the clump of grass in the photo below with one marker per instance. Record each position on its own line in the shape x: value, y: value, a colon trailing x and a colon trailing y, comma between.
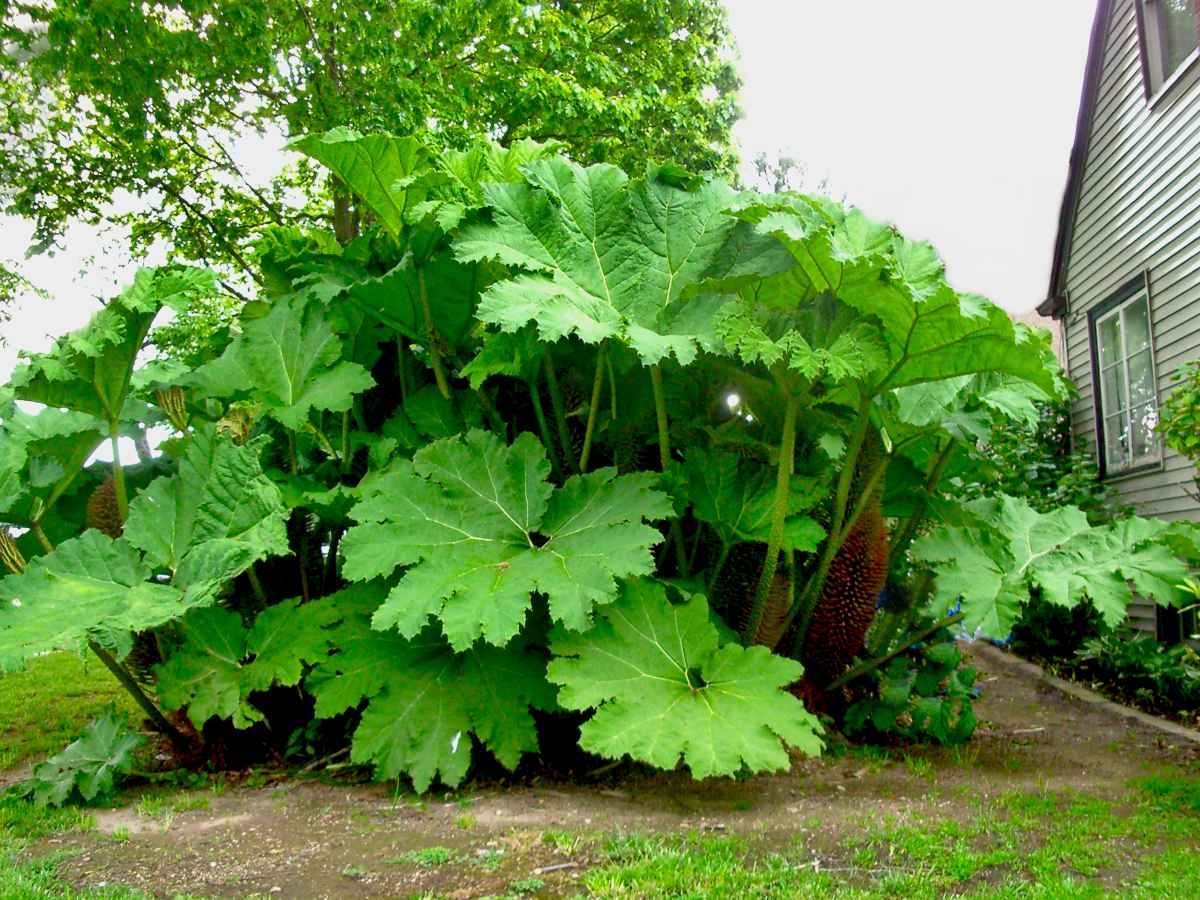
x: 1176, y: 793
x: 426, y: 857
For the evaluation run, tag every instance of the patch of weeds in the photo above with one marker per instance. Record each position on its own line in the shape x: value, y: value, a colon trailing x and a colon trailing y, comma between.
x: 964, y: 756
x: 875, y: 758
x: 353, y: 872
x: 919, y: 767
x: 426, y: 857
x: 165, y: 807
x: 120, y: 835
x: 465, y: 822
x: 488, y: 858
x: 562, y: 841
x: 526, y: 885
x: 257, y: 779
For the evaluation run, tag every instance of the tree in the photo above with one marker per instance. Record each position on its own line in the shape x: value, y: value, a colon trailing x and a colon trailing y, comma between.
x: 111, y: 96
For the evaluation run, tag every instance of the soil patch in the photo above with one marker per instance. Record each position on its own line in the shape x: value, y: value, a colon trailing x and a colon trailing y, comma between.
x: 315, y: 838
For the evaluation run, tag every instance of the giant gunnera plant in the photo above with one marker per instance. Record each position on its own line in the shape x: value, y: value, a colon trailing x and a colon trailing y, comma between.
x: 544, y: 444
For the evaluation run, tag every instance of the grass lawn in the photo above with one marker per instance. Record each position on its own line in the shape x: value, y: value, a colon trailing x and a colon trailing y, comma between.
x: 46, y: 705
x: 1006, y: 817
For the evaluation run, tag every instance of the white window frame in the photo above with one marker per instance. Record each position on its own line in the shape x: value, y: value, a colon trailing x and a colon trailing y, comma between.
x: 1134, y: 294
x: 1158, y: 81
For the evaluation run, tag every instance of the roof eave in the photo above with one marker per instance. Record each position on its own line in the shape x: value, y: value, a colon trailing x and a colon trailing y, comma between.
x: 1055, y: 303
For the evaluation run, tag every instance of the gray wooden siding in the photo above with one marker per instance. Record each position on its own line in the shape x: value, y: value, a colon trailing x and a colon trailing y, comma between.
x: 1139, y: 211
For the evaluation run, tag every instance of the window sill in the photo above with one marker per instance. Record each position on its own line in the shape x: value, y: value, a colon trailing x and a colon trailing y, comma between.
x: 1134, y: 472
x: 1166, y: 89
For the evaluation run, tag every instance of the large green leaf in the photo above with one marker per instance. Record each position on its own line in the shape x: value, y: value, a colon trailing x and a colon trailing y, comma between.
x: 221, y: 662
x: 992, y: 566
x: 89, y: 370
x: 290, y: 361
x: 89, y: 587
x: 663, y: 690
x: 424, y: 700
x: 213, y: 519
x: 609, y: 258
x: 204, y: 672
x: 482, y: 528
x: 89, y: 764
x: 933, y: 332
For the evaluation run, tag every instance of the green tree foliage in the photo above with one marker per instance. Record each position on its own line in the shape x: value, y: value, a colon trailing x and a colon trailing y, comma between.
x: 544, y: 443
x: 155, y: 100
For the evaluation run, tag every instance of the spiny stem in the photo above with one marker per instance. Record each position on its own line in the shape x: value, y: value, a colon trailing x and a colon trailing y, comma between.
x: 303, y: 549
x: 913, y: 522
x: 345, y: 460
x: 435, y: 354
x: 535, y: 397
x: 560, y: 412
x: 256, y: 585
x: 894, y: 620
x: 779, y: 511
x: 612, y: 384
x: 118, y: 474
x: 135, y: 690
x: 664, y: 460
x: 36, y: 528
x: 861, y: 670
x: 717, y: 569
x: 660, y: 414
x: 593, y: 410
x: 403, y: 364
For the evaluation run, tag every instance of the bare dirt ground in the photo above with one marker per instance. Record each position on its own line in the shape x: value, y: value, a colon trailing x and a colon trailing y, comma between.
x: 317, y: 838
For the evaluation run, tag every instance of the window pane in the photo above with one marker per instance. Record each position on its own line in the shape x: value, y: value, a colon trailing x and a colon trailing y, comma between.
x: 1141, y: 379
x: 1137, y: 326
x: 1116, y: 441
x: 1113, y: 393
x: 1178, y: 18
x: 1110, y: 341
x: 1143, y: 423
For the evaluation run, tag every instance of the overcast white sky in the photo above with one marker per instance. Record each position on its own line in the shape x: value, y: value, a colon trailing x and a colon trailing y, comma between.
x: 951, y: 118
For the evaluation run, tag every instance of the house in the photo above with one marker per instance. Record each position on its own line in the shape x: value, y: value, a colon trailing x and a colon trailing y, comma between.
x: 1125, y: 279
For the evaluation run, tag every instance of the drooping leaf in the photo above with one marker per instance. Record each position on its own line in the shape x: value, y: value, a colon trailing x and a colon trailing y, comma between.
x: 606, y: 257
x: 379, y: 168
x: 481, y: 528
x: 736, y: 497
x: 663, y: 690
x: 89, y: 764
x: 213, y: 519
x: 89, y: 587
x: 932, y: 331
x: 517, y: 353
x: 394, y: 298
x: 993, y: 565
x: 89, y: 370
x: 290, y: 361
